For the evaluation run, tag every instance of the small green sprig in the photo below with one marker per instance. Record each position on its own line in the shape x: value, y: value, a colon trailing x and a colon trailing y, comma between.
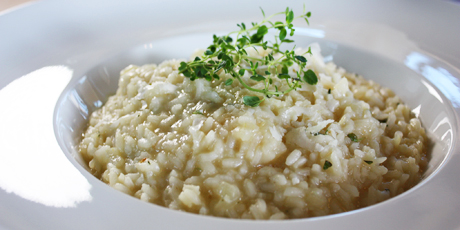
x: 229, y: 55
x: 353, y: 137
x: 327, y: 164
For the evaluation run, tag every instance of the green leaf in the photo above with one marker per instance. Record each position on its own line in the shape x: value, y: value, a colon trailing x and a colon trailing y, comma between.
x: 252, y: 101
x: 197, y: 59
x: 241, y: 72
x: 308, y: 14
x: 283, y: 34
x: 230, y: 47
x: 284, y: 70
x: 201, y: 71
x: 267, y: 72
x: 220, y: 55
x: 287, y: 62
x: 263, y: 13
x: 220, y: 66
x: 208, y: 52
x: 288, y: 41
x: 257, y: 77
x: 186, y: 73
x: 368, y: 162
x: 279, y: 25
x: 327, y: 165
x: 256, y: 38
x: 289, y: 16
x: 301, y: 58
x: 284, y: 76
x: 227, y: 58
x: 208, y: 77
x: 182, y: 66
x: 259, y: 35
x: 262, y: 30
x: 197, y: 112
x: 353, y: 137
x: 310, y: 77
x: 264, y: 45
x: 212, y: 48
x: 228, y: 82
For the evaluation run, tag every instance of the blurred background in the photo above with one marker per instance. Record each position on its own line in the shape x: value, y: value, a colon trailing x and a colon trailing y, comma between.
x: 5, y: 4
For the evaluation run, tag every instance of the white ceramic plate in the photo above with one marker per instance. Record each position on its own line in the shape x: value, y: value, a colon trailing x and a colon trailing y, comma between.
x: 60, y: 59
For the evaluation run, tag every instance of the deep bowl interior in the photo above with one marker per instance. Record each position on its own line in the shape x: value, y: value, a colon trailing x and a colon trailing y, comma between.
x: 409, y: 79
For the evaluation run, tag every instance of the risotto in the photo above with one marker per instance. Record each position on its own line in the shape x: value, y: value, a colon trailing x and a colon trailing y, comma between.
x: 339, y: 145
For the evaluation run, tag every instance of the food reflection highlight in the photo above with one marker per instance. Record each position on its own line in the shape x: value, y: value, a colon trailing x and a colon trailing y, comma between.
x: 437, y: 75
x: 32, y: 164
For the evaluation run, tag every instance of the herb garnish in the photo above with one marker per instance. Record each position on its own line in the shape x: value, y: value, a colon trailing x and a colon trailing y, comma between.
x: 197, y: 112
x: 252, y: 101
x: 353, y: 137
x: 228, y: 82
x: 228, y: 53
x: 368, y: 162
x: 320, y: 132
x: 327, y: 165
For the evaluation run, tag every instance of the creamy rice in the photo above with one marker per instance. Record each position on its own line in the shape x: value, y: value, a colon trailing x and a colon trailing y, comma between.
x: 194, y: 146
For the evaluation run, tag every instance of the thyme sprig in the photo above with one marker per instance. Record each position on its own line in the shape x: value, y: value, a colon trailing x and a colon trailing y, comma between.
x: 229, y: 53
